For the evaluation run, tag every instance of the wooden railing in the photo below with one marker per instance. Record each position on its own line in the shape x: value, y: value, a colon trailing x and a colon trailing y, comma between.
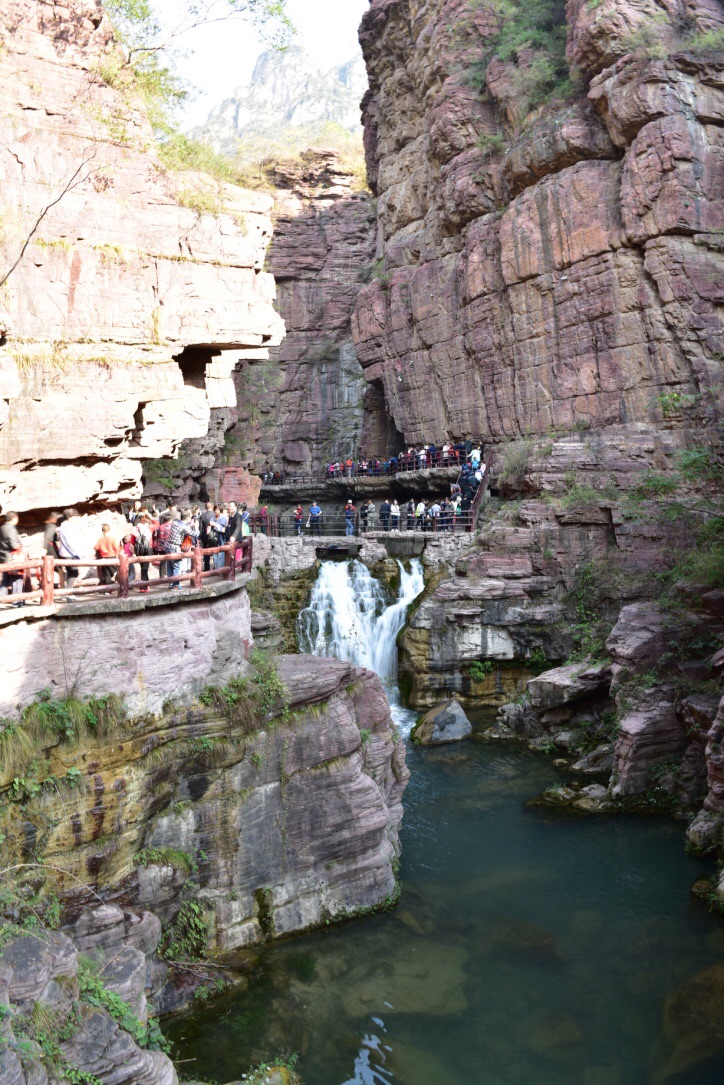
x: 238, y: 557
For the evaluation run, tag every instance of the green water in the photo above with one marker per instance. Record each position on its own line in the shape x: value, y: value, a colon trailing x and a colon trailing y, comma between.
x: 528, y: 949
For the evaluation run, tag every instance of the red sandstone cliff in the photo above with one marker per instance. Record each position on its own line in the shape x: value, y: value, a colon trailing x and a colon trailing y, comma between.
x: 574, y: 277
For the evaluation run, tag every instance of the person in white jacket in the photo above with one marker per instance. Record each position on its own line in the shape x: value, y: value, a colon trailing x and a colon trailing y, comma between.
x: 71, y: 544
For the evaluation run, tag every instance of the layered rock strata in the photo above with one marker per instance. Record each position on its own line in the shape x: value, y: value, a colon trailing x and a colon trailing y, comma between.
x: 77, y: 1001
x: 654, y: 741
x: 569, y: 279
x: 305, y: 407
x: 270, y: 824
x: 148, y: 649
x: 131, y: 294
x: 507, y: 603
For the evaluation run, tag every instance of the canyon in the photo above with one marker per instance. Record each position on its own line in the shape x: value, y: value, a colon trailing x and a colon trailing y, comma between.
x: 536, y: 262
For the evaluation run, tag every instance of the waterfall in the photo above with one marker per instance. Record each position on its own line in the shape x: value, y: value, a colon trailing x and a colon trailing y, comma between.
x: 349, y: 617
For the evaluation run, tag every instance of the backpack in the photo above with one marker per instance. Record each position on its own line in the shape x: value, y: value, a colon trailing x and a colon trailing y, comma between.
x: 187, y: 542
x: 141, y: 547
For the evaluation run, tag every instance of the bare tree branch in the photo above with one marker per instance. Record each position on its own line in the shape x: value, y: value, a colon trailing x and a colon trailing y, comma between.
x: 72, y: 183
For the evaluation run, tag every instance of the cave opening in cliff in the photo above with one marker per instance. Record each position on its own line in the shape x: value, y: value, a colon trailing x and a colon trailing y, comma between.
x: 192, y: 361
x: 380, y: 435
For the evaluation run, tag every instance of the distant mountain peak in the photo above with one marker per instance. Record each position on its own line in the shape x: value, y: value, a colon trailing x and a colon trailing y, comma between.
x: 287, y: 91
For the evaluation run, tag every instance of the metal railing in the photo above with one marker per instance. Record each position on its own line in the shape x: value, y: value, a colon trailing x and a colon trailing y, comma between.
x: 284, y: 527
x: 238, y: 557
x: 385, y: 469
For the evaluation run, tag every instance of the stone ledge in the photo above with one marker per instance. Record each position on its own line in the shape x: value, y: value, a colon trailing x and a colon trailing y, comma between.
x: 99, y: 607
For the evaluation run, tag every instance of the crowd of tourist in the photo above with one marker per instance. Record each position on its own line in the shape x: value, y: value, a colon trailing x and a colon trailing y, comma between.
x: 412, y: 515
x: 155, y: 533
x: 414, y: 459
x: 150, y: 533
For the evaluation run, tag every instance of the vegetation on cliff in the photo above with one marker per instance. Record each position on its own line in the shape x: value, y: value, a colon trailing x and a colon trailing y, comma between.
x: 531, y: 35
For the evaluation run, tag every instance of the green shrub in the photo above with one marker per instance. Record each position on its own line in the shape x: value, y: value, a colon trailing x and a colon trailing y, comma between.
x: 524, y: 26
x: 250, y: 700
x: 491, y: 144
x: 515, y: 463
x: 93, y: 991
x: 49, y: 720
x: 186, y: 939
x: 180, y: 860
x: 479, y: 670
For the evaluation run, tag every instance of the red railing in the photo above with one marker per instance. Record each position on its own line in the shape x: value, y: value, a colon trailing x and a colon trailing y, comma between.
x: 238, y: 557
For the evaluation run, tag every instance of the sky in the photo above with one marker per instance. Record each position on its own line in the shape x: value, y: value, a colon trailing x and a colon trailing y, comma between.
x: 223, y: 55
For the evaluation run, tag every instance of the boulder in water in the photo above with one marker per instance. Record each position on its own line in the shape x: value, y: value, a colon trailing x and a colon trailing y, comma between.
x: 446, y: 722
x: 694, y: 1026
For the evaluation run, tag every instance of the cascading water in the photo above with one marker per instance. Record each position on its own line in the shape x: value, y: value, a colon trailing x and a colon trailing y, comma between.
x: 349, y: 617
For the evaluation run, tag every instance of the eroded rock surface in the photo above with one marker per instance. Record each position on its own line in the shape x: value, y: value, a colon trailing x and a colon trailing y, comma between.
x: 140, y: 290
x: 565, y: 277
x: 281, y: 824
x: 306, y: 406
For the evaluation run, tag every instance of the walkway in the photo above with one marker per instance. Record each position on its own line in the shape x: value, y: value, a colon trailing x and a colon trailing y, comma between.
x: 238, y: 557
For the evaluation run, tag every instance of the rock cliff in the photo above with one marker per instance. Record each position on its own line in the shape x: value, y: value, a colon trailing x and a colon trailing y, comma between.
x: 549, y: 229
x: 282, y: 787
x: 305, y: 407
x: 130, y: 294
x: 551, y: 250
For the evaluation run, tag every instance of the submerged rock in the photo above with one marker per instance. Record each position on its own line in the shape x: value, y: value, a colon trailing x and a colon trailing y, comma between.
x: 592, y: 799
x: 425, y: 977
x: 446, y: 722
x: 555, y: 1035
x: 693, y: 1025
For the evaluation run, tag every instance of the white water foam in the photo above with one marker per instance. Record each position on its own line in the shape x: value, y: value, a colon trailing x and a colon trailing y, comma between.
x: 348, y: 617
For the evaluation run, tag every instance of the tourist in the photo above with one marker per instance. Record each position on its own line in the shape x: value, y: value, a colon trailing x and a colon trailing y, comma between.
x: 264, y: 519
x: 475, y: 457
x: 385, y: 509
x: 435, y: 511
x: 364, y: 515
x: 70, y: 543
x: 205, y: 521
x: 395, y: 515
x: 180, y: 539
x: 50, y: 543
x: 144, y: 532
x: 217, y: 534
x: 161, y: 542
x: 243, y: 531
x: 106, y: 549
x: 315, y: 518
x: 128, y: 547
x: 298, y: 520
x: 349, y: 518
x: 410, y: 514
x: 234, y: 521
x: 11, y: 549
x: 134, y: 513
x: 420, y: 513
x: 372, y: 512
